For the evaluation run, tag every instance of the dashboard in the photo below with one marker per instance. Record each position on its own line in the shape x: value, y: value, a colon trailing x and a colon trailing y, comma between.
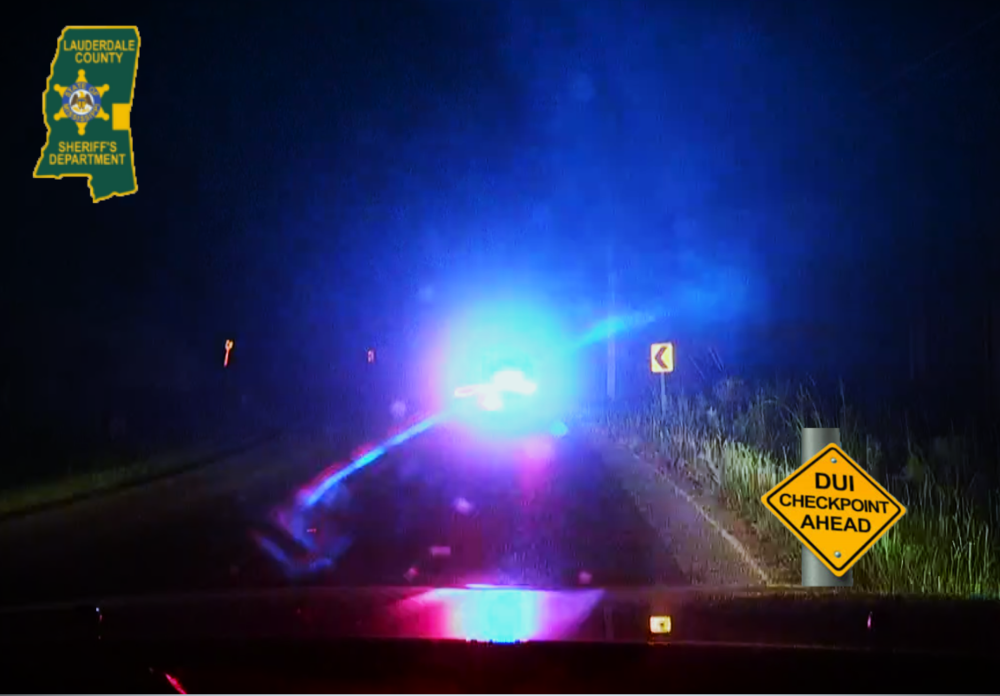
x: 237, y: 666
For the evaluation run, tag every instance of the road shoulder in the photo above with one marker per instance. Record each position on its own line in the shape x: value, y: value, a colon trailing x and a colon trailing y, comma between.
x: 710, y: 544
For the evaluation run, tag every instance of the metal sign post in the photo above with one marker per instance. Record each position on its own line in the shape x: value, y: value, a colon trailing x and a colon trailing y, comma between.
x: 814, y: 573
x: 663, y: 393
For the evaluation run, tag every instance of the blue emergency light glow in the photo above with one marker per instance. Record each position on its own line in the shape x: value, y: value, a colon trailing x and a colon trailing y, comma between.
x: 490, y: 396
x: 513, y: 381
x: 503, y: 361
x: 491, y: 402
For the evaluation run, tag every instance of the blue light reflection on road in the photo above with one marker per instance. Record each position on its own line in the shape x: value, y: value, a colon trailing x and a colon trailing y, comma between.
x: 294, y: 519
x: 368, y: 458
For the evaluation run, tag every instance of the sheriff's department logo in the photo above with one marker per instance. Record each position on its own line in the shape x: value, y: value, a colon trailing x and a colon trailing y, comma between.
x: 81, y: 102
x: 102, y: 154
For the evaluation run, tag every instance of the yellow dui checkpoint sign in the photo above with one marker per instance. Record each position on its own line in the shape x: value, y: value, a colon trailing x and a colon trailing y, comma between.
x: 835, y: 508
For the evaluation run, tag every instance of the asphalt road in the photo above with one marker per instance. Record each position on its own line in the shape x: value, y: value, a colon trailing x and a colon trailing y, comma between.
x: 439, y: 509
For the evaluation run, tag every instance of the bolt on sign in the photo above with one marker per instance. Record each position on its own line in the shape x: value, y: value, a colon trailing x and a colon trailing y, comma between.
x: 835, y: 508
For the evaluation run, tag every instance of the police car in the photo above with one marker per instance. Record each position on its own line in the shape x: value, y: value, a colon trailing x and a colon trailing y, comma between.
x: 507, y: 403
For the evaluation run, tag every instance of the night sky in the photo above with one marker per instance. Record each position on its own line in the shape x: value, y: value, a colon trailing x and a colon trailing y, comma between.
x: 795, y: 184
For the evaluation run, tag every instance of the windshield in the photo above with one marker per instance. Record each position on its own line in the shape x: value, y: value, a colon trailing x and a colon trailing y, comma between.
x: 556, y: 297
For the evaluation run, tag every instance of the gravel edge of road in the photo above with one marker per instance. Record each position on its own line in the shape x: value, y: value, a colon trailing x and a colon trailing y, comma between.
x: 697, y: 534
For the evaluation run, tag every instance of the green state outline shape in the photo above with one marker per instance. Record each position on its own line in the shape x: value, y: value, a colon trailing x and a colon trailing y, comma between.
x: 48, y: 128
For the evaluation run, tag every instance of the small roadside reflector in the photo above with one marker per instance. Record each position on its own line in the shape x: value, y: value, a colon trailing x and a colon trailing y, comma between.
x: 659, y: 624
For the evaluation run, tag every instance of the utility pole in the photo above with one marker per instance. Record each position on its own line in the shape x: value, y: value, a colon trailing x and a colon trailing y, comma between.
x: 612, y: 308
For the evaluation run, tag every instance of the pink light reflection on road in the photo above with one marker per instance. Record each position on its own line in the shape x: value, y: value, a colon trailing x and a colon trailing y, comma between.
x: 499, y: 615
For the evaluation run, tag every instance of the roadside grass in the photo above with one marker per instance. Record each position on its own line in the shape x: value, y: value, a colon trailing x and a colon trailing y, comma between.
x: 740, y: 441
x: 104, y: 475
